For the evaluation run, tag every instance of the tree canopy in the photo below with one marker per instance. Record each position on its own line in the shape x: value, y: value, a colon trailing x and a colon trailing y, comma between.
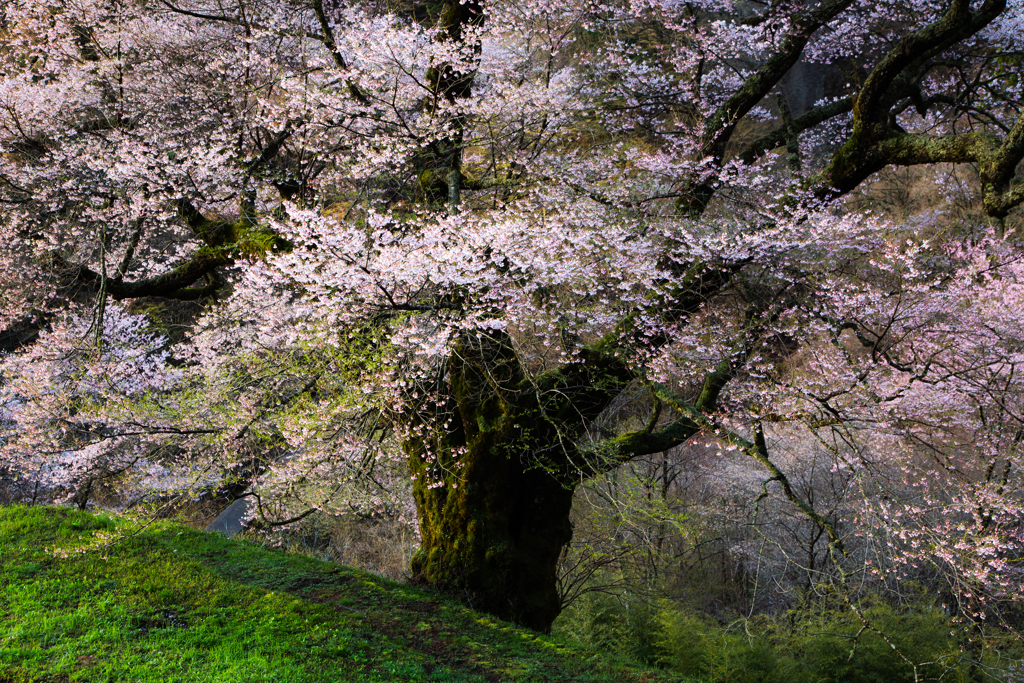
x: 451, y: 259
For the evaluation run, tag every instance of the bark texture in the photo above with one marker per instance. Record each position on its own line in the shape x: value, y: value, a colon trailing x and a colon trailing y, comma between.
x: 493, y: 509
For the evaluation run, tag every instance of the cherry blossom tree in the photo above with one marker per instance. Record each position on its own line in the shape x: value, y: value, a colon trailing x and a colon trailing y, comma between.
x: 451, y: 236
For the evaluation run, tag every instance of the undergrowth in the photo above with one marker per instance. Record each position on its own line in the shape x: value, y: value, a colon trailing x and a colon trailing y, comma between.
x: 816, y: 643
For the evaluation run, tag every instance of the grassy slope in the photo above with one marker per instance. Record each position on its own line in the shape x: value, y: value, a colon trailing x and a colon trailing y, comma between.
x: 173, y: 604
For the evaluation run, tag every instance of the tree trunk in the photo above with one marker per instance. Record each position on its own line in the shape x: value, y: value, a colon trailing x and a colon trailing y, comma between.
x: 493, y: 508
x: 494, y: 541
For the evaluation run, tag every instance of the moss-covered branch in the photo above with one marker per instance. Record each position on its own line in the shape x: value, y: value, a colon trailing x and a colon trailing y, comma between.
x: 877, y: 142
x: 577, y: 392
x: 877, y: 96
x: 858, y: 158
x: 173, y: 284
x: 997, y: 159
x: 610, y: 454
x: 997, y: 173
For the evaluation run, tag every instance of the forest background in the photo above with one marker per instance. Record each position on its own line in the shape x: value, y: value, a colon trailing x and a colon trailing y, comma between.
x: 697, y: 320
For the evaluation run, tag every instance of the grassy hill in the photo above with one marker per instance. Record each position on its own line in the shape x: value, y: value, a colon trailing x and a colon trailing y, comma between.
x: 87, y: 597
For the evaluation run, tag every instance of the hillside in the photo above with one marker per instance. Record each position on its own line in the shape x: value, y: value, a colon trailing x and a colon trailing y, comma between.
x: 168, y: 603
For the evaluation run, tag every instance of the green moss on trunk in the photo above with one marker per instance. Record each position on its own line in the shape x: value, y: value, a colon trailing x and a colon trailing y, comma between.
x: 493, y: 520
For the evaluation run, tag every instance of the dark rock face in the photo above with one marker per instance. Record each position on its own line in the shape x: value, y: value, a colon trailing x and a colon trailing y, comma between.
x: 229, y: 522
x: 810, y: 82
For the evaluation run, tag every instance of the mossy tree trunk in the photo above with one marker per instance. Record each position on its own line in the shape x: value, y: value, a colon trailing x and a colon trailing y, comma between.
x: 494, y: 487
x: 496, y: 458
x: 494, y: 538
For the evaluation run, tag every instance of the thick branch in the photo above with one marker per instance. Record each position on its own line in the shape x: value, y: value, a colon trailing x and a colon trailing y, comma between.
x: 722, y: 124
x: 958, y: 23
x: 997, y: 172
x: 102, y: 123
x: 854, y: 163
x: 1000, y: 166
x: 625, y: 447
x: 332, y: 47
x: 215, y: 233
x: 576, y: 393
x: 273, y: 147
x: 129, y: 253
x: 170, y: 284
x: 876, y: 142
x: 723, y: 121
x: 1000, y: 205
x: 193, y: 218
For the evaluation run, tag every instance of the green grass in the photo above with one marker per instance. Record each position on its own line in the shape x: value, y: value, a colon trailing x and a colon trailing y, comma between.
x: 168, y: 603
